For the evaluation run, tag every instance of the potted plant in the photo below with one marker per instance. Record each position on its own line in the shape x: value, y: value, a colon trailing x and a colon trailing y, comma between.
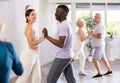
x: 89, y: 47
x: 90, y: 24
x: 110, y: 33
x: 112, y: 29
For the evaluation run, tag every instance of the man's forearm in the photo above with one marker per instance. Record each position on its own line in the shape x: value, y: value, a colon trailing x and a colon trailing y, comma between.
x: 98, y: 36
x: 54, y: 41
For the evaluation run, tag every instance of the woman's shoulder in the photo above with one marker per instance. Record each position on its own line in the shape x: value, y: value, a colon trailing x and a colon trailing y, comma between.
x: 80, y: 31
x: 28, y: 29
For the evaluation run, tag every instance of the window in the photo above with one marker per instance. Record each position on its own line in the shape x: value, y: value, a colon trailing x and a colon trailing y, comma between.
x: 98, y: 6
x: 113, y: 6
x: 113, y: 18
x: 83, y: 5
x: 82, y: 11
x: 110, y: 14
x: 113, y: 22
x: 82, y: 14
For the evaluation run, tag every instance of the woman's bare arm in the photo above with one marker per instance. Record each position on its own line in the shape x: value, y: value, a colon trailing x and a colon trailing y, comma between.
x: 30, y: 37
x: 82, y: 36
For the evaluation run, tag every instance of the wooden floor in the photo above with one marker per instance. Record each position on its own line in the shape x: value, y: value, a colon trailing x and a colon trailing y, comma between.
x: 90, y: 70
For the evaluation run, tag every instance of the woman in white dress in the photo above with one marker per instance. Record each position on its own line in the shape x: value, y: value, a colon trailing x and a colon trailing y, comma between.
x: 79, y: 45
x: 30, y: 55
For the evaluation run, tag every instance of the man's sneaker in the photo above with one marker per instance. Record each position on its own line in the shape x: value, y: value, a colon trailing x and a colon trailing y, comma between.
x: 108, y: 73
x: 98, y: 75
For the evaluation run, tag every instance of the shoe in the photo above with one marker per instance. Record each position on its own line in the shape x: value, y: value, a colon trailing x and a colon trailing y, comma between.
x: 108, y: 73
x: 98, y: 75
x: 82, y: 74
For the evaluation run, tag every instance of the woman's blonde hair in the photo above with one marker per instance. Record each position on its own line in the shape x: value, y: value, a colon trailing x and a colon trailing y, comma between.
x: 81, y: 20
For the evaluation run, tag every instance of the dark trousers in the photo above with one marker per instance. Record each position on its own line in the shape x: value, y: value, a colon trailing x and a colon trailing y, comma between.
x: 59, y: 66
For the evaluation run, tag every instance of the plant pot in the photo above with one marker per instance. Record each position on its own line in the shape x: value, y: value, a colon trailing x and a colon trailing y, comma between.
x: 89, y: 58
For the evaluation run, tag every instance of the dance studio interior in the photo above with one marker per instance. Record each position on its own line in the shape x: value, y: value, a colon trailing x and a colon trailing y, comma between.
x: 12, y: 17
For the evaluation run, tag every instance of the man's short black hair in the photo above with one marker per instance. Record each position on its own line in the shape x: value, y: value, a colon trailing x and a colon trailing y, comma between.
x: 64, y: 7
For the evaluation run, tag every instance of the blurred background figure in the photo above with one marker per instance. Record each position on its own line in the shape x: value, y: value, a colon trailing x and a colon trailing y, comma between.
x: 8, y: 59
x: 98, y: 43
x: 79, y: 45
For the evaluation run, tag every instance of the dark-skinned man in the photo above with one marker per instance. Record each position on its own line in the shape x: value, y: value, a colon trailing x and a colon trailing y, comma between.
x: 64, y: 52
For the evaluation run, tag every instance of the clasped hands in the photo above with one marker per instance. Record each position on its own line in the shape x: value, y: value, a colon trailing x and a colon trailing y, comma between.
x: 90, y: 33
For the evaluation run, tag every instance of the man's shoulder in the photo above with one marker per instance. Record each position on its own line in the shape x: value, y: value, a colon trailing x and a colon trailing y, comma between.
x: 65, y: 23
x: 2, y: 43
x: 101, y: 25
x: 7, y: 45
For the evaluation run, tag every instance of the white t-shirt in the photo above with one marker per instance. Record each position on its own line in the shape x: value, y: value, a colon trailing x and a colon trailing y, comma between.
x: 99, y: 28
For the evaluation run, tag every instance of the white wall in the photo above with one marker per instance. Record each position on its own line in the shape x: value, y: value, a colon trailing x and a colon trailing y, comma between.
x: 12, y: 15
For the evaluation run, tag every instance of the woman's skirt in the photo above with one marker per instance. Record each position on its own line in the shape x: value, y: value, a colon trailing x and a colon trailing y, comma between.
x: 30, y: 61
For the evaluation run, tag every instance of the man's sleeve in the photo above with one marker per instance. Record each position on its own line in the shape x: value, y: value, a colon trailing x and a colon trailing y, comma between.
x: 16, y: 66
x: 100, y: 29
x: 63, y: 31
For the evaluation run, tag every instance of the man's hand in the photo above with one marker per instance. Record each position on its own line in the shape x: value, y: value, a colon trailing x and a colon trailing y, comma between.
x: 45, y: 32
x: 89, y: 33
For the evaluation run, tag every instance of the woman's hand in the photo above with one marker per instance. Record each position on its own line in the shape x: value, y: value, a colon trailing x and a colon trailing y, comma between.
x: 89, y: 33
x: 43, y: 36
